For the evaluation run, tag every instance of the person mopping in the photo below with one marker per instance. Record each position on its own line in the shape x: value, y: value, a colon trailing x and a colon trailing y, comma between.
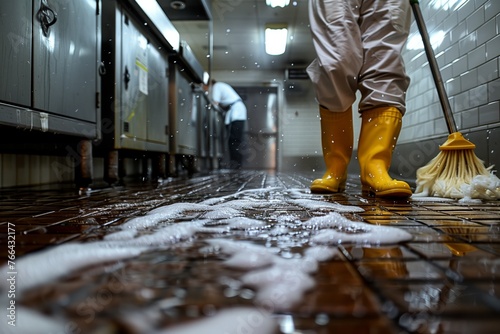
x: 358, y: 45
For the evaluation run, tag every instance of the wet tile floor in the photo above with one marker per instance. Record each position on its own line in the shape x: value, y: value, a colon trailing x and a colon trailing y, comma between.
x: 167, y: 257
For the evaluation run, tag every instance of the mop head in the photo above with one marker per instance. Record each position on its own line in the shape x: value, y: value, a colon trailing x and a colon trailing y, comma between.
x: 457, y: 174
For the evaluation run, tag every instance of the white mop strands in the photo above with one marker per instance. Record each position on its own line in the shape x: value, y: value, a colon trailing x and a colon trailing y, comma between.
x: 457, y: 174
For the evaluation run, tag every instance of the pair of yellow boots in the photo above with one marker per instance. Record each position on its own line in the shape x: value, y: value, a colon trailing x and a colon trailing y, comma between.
x: 380, y: 129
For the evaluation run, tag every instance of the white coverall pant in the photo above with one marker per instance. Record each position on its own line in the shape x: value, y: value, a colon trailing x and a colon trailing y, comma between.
x: 358, y: 45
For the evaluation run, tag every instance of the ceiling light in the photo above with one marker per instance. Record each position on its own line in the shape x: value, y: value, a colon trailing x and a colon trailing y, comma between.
x: 277, y: 3
x: 276, y: 37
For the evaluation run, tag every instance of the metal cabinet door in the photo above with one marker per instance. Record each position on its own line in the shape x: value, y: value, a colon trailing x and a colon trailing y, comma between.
x: 157, y: 113
x: 65, y: 57
x: 134, y: 84
x: 15, y: 51
x: 183, y: 115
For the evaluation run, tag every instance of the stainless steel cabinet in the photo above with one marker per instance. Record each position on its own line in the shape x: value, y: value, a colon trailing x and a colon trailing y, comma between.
x: 183, y: 113
x: 210, y: 128
x: 50, y: 51
x: 137, y: 40
x: 157, y: 122
x: 186, y: 74
x: 135, y: 87
x: 15, y: 51
x: 65, y: 62
x: 133, y: 83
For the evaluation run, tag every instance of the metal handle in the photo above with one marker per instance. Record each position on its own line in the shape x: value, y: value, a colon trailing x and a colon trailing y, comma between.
x: 126, y: 77
x: 436, y: 74
x: 47, y: 17
x: 102, y: 69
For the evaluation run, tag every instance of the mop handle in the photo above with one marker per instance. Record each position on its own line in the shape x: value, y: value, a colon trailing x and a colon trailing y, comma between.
x: 436, y: 74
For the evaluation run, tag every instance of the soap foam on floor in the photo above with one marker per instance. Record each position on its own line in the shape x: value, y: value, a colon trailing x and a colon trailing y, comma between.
x: 278, y: 282
x: 236, y: 320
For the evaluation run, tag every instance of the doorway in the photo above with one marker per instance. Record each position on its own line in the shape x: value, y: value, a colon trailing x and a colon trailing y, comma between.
x: 261, y: 130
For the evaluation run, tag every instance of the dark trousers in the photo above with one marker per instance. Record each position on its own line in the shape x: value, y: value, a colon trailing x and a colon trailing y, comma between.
x: 235, y: 140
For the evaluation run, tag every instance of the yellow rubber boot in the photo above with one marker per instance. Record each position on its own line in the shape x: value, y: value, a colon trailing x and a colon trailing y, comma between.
x: 337, y: 143
x: 380, y: 129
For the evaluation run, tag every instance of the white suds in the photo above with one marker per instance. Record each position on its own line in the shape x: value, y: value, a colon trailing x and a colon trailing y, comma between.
x: 280, y: 277
x: 30, y: 322
x: 336, y: 230
x: 325, y: 206
x: 236, y: 320
x: 321, y: 253
x: 121, y: 235
x: 244, y: 223
x: 421, y: 198
x: 485, y: 185
x: 48, y: 265
x: 279, y: 283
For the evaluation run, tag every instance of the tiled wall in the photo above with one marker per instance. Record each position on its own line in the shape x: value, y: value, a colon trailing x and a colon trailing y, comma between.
x: 466, y: 41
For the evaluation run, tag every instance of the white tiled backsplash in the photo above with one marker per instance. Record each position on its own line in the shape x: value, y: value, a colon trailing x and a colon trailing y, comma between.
x: 466, y: 41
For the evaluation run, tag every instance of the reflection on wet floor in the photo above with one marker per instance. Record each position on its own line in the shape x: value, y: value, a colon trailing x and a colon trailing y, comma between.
x: 248, y: 252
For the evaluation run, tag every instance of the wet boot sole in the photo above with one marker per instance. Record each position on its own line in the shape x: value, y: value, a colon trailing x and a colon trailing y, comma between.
x: 390, y: 193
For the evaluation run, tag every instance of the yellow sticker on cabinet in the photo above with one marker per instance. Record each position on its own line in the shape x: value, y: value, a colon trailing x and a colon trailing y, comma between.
x: 143, y: 77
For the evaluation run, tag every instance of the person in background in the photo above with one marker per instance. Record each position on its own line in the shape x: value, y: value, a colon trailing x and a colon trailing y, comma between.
x: 228, y: 100
x: 358, y: 45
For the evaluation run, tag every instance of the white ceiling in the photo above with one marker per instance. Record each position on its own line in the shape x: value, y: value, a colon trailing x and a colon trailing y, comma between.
x: 238, y: 35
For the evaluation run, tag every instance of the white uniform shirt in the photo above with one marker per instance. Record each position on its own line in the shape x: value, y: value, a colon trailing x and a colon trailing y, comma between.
x: 224, y: 94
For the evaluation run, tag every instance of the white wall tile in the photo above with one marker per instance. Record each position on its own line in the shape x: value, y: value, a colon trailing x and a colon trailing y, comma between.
x: 491, y: 9
x: 465, y: 10
x: 476, y: 57
x: 439, y: 126
x: 494, y: 91
x: 475, y: 20
x: 453, y: 86
x: 469, y: 118
x: 452, y: 54
x: 458, y: 32
x: 461, y: 102
x: 478, y: 96
x: 468, y: 79
x: 450, y: 21
x: 486, y: 32
x: 460, y: 66
x: 488, y: 71
x: 493, y: 48
x: 468, y: 43
x: 480, y: 3
x: 489, y: 113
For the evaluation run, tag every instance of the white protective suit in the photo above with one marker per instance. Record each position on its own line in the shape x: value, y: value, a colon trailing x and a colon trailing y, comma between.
x: 358, y: 45
x: 224, y: 94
